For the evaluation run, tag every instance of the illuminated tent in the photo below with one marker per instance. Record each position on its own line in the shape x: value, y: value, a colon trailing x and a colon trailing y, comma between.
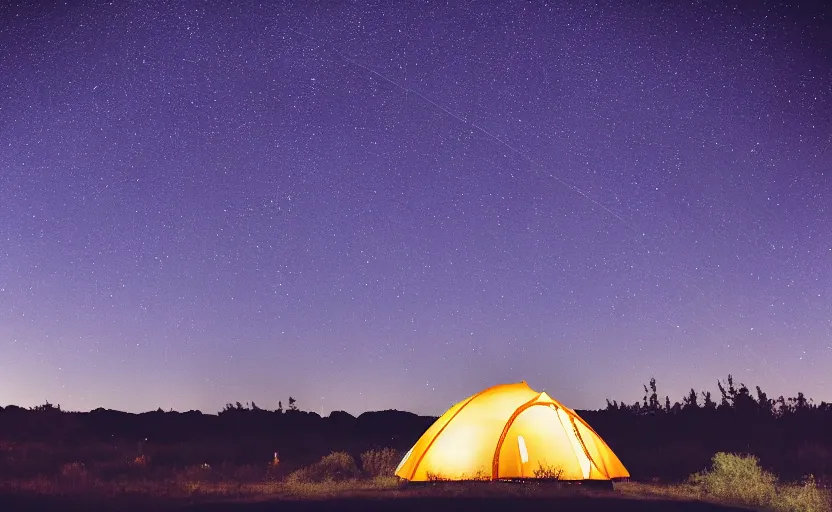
x: 510, y: 431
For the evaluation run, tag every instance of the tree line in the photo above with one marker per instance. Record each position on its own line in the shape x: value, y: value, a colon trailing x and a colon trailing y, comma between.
x: 738, y: 399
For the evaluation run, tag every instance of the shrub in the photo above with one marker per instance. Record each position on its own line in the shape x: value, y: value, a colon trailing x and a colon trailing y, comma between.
x: 335, y: 467
x: 479, y: 475
x: 548, y: 472
x: 436, y: 477
x: 379, y: 462
x: 737, y: 478
x: 805, y: 497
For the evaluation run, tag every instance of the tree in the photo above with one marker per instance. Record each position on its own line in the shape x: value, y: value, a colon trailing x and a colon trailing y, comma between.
x: 654, y: 397
x: 708, y: 402
x: 47, y: 407
x: 729, y: 394
x: 764, y: 403
x: 782, y: 407
x: 677, y: 408
x: 799, y: 403
x: 743, y: 401
x: 292, y: 406
x: 691, y: 402
x: 651, y: 403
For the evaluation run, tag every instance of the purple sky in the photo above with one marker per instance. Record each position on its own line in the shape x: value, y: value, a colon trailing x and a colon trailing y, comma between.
x: 371, y: 207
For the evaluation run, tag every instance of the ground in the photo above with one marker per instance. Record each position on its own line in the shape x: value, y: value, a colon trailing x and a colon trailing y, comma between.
x: 434, y: 499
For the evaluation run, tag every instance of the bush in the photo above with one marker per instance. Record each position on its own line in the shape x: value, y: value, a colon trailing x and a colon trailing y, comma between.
x: 548, y: 472
x: 376, y: 463
x: 436, y: 477
x: 738, y: 479
x: 805, y: 497
x: 335, y: 467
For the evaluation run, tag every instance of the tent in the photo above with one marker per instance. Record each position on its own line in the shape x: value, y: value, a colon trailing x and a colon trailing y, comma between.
x: 510, y: 431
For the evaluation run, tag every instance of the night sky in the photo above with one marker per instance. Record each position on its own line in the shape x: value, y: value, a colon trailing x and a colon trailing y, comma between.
x: 368, y: 206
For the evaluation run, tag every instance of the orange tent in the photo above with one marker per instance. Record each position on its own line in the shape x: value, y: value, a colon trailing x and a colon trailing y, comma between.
x: 510, y: 431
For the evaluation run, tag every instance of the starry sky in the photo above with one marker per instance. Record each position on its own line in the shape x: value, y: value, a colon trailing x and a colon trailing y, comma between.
x: 396, y: 204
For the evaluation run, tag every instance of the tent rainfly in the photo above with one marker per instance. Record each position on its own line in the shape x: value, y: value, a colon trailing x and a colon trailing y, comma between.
x: 510, y: 431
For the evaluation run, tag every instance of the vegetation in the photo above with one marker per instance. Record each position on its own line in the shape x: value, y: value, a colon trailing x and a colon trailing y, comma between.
x: 378, y: 463
x: 743, y: 439
x: 738, y: 480
x: 480, y: 475
x: 548, y: 472
x: 335, y: 467
x: 658, y: 438
x: 737, y: 399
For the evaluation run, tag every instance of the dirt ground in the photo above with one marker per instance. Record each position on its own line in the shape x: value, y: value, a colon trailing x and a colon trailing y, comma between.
x: 596, y: 503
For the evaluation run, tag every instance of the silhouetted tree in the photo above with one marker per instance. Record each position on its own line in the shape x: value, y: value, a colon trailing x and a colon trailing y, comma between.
x: 691, y: 402
x: 47, y: 407
x: 764, y: 403
x: 799, y: 403
x: 708, y: 402
x: 729, y: 394
x: 785, y: 431
x: 782, y: 407
x: 651, y: 398
x: 654, y: 397
x: 292, y: 406
x: 743, y: 402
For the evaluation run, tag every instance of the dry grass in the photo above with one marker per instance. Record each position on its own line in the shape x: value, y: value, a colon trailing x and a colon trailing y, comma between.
x: 683, y: 492
x: 181, y: 487
x: 382, y: 462
x: 738, y: 480
x: 333, y: 475
x: 731, y: 480
x: 335, y: 467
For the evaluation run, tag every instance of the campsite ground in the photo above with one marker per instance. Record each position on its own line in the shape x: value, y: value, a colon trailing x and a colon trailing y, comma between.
x: 435, y: 498
x: 335, y: 482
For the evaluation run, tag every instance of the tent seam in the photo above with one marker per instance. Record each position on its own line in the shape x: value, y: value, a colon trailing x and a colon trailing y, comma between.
x: 427, y: 448
x: 495, y: 461
x: 560, y: 422
x: 583, y: 445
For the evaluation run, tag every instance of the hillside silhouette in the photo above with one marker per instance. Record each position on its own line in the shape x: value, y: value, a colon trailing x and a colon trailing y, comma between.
x: 654, y: 436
